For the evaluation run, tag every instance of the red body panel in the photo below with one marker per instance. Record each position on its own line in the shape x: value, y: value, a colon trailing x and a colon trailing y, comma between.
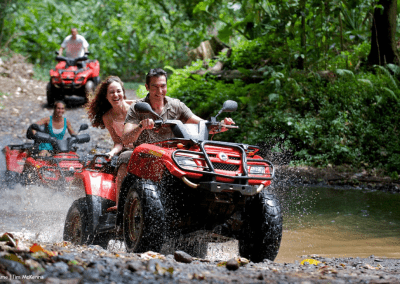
x: 149, y: 161
x: 52, y: 169
x: 100, y: 184
x: 15, y: 159
x: 68, y: 75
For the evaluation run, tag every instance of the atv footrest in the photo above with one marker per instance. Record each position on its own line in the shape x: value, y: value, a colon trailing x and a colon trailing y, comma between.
x: 220, y: 187
x: 106, y: 222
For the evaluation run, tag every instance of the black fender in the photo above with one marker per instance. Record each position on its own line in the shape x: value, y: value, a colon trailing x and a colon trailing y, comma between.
x: 96, y: 206
x: 125, y: 186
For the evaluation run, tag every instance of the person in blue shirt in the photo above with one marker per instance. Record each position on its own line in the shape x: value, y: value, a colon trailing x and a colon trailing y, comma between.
x: 56, y: 125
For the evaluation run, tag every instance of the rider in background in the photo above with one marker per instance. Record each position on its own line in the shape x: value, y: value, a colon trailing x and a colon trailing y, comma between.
x: 56, y: 125
x: 75, y: 45
x: 108, y: 108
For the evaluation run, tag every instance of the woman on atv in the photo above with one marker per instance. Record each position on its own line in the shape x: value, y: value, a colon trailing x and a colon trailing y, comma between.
x: 56, y: 125
x: 108, y: 109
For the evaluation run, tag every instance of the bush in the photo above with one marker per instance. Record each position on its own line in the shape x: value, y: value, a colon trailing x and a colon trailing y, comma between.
x: 348, y: 119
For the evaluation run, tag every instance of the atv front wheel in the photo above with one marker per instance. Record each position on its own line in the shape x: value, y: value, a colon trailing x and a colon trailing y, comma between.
x: 29, y: 176
x: 144, y: 219
x: 75, y: 228
x: 89, y: 88
x: 262, y: 228
x: 51, y: 95
x: 11, y: 178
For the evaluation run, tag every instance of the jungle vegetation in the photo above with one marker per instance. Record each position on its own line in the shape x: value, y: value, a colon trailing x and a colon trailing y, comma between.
x: 318, y: 80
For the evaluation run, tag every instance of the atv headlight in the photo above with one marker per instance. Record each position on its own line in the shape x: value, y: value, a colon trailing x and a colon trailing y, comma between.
x: 185, y: 162
x: 48, y: 174
x: 257, y: 170
x: 80, y: 79
x: 56, y: 80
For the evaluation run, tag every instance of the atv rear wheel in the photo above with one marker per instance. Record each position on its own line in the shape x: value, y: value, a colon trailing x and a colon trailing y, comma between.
x: 262, y: 228
x: 75, y: 227
x: 144, y: 219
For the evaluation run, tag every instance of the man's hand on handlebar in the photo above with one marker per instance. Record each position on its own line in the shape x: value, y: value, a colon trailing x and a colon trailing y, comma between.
x: 223, y: 126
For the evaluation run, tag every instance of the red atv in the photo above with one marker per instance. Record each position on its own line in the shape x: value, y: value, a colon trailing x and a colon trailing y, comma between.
x: 73, y: 79
x: 26, y: 166
x: 179, y: 186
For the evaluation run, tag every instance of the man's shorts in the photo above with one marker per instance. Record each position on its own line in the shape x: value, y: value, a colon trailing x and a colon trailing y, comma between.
x: 124, y: 157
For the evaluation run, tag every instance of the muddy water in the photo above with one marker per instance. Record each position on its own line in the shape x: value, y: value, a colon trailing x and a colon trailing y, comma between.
x: 340, y: 223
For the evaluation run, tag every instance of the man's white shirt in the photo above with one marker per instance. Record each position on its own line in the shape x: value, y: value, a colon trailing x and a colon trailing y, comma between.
x: 75, y: 48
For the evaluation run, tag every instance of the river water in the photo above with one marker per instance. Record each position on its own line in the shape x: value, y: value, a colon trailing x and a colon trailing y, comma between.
x: 336, y: 222
x: 330, y: 222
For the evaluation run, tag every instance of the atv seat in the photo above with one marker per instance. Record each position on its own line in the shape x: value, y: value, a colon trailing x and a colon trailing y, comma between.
x: 71, y: 61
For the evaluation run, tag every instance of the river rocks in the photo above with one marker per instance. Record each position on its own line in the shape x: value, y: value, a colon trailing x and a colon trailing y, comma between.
x: 65, y: 263
x: 13, y: 267
x: 232, y: 264
x: 182, y: 256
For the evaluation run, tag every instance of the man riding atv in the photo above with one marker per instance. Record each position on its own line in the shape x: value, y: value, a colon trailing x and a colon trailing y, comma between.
x: 75, y: 45
x: 138, y: 127
x: 75, y: 76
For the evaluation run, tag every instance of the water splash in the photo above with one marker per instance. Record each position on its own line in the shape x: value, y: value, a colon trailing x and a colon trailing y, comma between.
x: 36, y: 212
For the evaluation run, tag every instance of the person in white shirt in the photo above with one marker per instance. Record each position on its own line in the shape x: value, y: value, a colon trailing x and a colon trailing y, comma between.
x: 75, y: 45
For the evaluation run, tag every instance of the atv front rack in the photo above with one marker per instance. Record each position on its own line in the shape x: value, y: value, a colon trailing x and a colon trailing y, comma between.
x: 62, y: 170
x: 210, y: 166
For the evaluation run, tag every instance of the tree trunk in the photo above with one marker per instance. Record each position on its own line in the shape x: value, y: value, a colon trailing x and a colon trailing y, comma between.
x: 383, y: 38
x: 303, y: 38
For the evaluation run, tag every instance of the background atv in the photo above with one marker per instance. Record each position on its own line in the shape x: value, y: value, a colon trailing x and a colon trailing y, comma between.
x: 73, y: 79
x: 178, y: 186
x: 26, y: 166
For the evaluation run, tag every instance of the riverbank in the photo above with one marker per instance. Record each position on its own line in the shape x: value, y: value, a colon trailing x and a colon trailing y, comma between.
x: 26, y: 262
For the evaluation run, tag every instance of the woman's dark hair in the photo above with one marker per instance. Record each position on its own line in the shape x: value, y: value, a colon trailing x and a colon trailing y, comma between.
x: 157, y: 72
x: 58, y: 102
x: 98, y: 104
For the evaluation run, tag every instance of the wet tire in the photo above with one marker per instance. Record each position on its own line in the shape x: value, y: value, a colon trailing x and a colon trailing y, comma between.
x: 76, y: 227
x: 89, y: 88
x: 29, y: 176
x: 143, y: 219
x: 96, y: 81
x: 262, y: 228
x: 50, y: 94
x: 11, y: 178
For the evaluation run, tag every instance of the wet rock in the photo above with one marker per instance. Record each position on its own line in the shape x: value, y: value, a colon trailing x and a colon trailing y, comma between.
x: 135, y: 266
x: 13, y: 267
x: 76, y: 268
x: 65, y: 257
x: 52, y: 280
x: 61, y: 265
x: 182, y: 256
x: 232, y: 264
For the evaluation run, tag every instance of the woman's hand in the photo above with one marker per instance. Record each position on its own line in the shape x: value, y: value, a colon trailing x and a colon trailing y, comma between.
x: 110, y: 155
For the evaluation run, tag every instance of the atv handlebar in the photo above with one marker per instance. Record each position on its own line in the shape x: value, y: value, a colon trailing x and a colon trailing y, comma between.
x: 58, y: 145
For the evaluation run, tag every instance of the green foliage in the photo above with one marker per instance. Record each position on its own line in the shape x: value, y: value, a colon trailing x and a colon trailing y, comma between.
x: 127, y: 37
x: 352, y: 119
x: 41, y: 72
